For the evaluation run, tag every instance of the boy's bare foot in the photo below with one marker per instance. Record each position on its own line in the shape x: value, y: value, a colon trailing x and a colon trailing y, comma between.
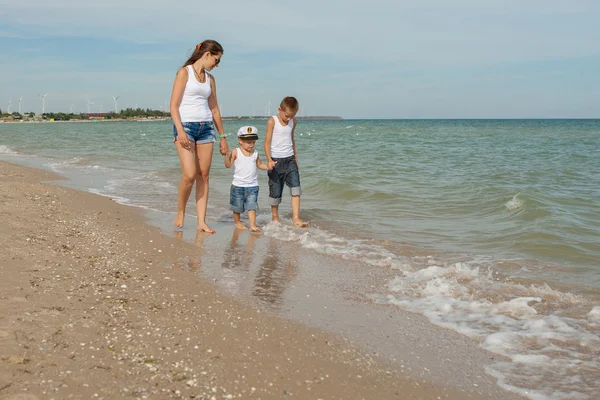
x: 179, y: 219
x: 205, y: 228
x: 275, y: 219
x: 300, y: 223
x: 240, y: 226
x: 255, y: 228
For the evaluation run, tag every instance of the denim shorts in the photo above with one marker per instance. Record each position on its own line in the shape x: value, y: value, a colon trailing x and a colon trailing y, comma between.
x: 243, y: 198
x: 198, y: 132
x: 285, y: 171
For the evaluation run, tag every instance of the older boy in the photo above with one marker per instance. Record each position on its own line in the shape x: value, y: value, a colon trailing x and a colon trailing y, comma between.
x: 282, y: 159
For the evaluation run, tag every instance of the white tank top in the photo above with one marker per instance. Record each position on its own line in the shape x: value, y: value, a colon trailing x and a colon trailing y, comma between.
x: 194, y: 102
x: 281, y: 141
x: 246, y: 172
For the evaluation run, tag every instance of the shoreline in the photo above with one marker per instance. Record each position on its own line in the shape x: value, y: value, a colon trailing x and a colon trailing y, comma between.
x: 90, y: 294
x: 142, y: 119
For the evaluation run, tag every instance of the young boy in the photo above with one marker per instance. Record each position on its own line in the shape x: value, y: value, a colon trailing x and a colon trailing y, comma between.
x: 282, y: 159
x: 244, y: 188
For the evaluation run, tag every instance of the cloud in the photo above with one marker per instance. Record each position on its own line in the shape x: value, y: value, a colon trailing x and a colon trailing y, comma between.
x: 428, y: 31
x: 363, y: 59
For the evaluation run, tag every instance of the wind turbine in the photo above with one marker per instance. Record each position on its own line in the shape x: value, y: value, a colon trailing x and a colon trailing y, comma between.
x: 43, y: 97
x: 10, y: 106
x: 115, y: 98
x: 21, y: 105
x: 71, y: 109
x: 89, y: 104
x: 268, y: 109
x: 101, y: 107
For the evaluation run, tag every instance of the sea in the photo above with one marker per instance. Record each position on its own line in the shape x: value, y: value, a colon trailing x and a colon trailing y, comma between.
x: 490, y: 228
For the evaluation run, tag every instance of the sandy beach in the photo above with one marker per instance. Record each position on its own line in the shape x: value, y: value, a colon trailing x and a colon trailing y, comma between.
x: 94, y: 304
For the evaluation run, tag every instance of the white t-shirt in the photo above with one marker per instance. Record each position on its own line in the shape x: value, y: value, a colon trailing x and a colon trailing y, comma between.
x: 194, y: 102
x: 281, y: 141
x: 246, y: 172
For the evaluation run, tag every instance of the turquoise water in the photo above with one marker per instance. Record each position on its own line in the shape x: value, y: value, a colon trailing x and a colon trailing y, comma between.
x: 491, y: 227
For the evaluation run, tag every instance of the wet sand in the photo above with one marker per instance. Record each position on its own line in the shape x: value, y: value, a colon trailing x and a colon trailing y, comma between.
x: 95, y: 303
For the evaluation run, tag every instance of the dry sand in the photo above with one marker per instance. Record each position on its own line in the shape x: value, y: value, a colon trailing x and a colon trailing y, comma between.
x: 91, y: 307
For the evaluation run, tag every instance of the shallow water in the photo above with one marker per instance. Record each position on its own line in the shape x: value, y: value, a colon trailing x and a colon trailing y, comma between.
x: 490, y: 227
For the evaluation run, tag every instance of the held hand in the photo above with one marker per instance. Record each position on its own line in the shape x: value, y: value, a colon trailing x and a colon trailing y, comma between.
x: 224, y: 147
x: 271, y: 165
x: 183, y: 140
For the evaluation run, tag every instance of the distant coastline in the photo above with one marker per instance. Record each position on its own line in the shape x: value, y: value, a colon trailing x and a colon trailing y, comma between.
x: 309, y: 118
x: 96, y: 118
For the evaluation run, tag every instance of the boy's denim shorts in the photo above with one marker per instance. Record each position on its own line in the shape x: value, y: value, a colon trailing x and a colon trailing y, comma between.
x: 285, y: 171
x: 243, y: 198
x: 198, y: 132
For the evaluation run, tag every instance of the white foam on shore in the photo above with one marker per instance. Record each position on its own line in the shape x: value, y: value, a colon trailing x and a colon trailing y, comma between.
x: 546, y: 334
x: 75, y: 162
x: 7, y: 150
x: 550, y: 339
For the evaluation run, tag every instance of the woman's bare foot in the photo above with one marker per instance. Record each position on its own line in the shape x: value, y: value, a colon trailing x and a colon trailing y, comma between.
x: 240, y: 226
x: 275, y: 219
x: 205, y: 228
x: 179, y: 219
x: 255, y: 228
x: 300, y: 223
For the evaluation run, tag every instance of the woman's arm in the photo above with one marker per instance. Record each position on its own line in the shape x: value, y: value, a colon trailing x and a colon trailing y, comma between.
x: 176, y: 95
x: 213, y: 104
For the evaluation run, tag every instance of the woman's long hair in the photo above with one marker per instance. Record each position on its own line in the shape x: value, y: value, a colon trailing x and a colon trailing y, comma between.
x: 212, y: 46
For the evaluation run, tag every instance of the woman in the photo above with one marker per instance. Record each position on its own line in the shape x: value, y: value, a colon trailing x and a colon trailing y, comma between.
x: 195, y: 113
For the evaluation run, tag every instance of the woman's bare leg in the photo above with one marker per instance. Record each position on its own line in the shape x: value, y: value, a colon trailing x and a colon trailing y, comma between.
x: 203, y: 160
x: 188, y: 175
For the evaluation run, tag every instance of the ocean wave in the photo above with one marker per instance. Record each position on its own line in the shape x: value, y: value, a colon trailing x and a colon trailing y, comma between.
x: 549, y: 337
x: 514, y: 203
x: 74, y: 162
x: 7, y: 150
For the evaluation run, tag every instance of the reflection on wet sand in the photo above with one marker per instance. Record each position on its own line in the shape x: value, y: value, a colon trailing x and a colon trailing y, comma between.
x: 235, y: 256
x: 237, y: 260
x: 191, y: 264
x: 275, y: 273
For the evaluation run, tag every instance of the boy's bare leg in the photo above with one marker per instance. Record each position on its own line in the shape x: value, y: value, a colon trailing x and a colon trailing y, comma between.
x: 275, y: 213
x: 296, y: 212
x: 237, y: 222
x: 252, y: 218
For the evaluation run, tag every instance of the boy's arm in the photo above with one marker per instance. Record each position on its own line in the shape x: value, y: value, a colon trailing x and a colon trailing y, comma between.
x: 294, y: 144
x: 262, y: 165
x: 230, y: 158
x: 268, y: 138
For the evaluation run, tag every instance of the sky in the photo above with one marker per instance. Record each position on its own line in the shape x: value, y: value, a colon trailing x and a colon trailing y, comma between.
x: 356, y: 59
